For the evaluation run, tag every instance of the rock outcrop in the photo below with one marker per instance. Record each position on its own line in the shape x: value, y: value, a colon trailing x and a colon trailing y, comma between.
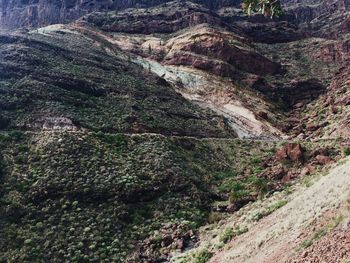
x: 34, y: 13
x: 166, y: 18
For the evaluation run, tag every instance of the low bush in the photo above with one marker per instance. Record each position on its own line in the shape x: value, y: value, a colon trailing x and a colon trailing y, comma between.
x: 347, y: 151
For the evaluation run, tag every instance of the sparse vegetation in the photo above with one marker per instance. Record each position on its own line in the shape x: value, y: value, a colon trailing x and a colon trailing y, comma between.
x: 263, y: 213
x: 117, y: 97
x: 321, y: 232
x: 307, y: 243
x: 98, y: 196
x: 347, y: 151
x: 203, y: 256
x: 230, y: 233
x: 269, y: 8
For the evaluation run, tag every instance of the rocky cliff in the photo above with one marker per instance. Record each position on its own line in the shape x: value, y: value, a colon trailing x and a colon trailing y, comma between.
x: 34, y: 13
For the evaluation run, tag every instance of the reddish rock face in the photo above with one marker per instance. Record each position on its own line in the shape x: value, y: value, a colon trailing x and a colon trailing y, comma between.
x: 307, y: 170
x: 215, y: 55
x: 323, y: 160
x: 321, y: 14
x: 307, y: 10
x: 263, y: 115
x: 291, y: 151
x: 249, y: 61
x: 275, y: 173
x: 295, y: 152
x: 312, y: 127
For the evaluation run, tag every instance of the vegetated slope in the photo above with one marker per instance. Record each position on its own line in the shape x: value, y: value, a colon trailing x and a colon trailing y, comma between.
x: 58, y: 86
x: 82, y: 197
x: 62, y: 78
x: 99, y: 197
x: 78, y: 184
x: 127, y: 140
x: 73, y: 186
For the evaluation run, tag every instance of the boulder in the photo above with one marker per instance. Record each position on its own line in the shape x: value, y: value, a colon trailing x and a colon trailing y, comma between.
x: 323, y: 160
x: 275, y: 172
x: 291, y: 151
x: 312, y: 127
x: 307, y: 170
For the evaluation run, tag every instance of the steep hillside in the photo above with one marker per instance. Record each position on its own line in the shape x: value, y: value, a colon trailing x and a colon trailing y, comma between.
x: 173, y: 131
x: 95, y: 197
x: 306, y: 223
x: 59, y: 79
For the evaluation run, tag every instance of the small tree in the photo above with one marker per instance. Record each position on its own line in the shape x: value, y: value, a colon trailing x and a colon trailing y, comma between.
x: 271, y: 8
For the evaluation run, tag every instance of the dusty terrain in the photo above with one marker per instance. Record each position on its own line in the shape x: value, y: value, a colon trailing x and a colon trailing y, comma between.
x: 279, y: 236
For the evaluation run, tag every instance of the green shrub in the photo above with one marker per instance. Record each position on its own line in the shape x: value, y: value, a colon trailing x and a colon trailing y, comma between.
x: 16, y: 135
x: 4, y: 122
x: 215, y: 217
x: 347, y: 151
x: 256, y: 160
x: 203, y: 256
x: 230, y: 233
x: 260, y: 214
x: 225, y: 174
x: 227, y: 235
x: 308, y: 242
x: 237, y: 195
x: 260, y: 184
x: 277, y: 205
x: 117, y: 140
x: 231, y: 185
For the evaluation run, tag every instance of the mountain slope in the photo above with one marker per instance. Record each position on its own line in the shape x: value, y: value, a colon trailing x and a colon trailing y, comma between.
x: 277, y: 238
x: 62, y: 74
x: 96, y: 197
x: 161, y: 132
x: 303, y: 219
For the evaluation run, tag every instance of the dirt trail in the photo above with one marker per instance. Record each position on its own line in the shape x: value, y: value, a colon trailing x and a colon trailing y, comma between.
x: 276, y: 237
